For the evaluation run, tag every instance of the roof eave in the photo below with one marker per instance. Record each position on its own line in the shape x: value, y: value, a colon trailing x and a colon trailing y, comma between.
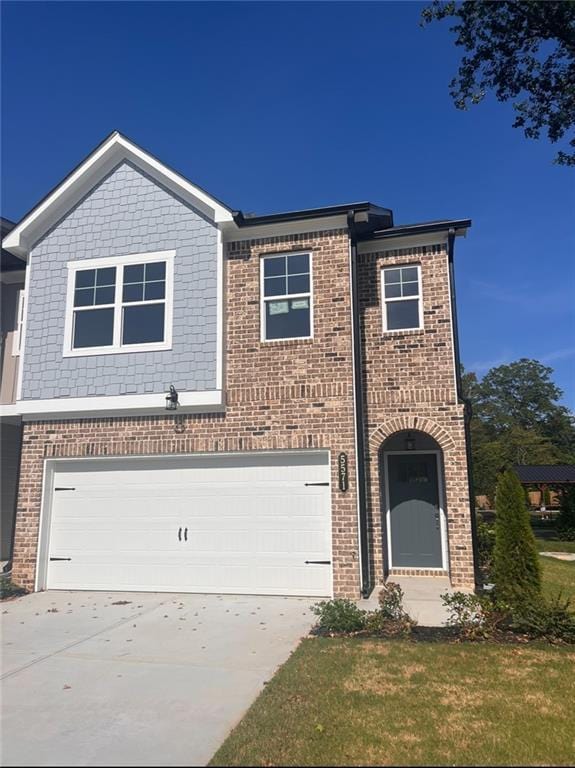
x: 107, y: 155
x: 459, y: 225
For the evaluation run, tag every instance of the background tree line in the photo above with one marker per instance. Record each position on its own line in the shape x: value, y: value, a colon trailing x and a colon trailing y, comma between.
x: 517, y: 419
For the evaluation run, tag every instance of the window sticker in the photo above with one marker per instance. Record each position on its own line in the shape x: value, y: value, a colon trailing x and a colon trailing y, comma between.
x: 300, y: 304
x: 278, y: 307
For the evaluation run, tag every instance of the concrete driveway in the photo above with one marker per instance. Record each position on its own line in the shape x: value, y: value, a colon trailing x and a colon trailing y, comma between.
x: 96, y: 678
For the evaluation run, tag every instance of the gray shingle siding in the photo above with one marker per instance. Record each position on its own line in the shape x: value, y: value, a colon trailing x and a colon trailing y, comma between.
x: 127, y: 213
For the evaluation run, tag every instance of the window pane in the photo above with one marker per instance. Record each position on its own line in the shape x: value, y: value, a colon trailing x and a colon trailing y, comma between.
x: 84, y: 297
x: 156, y: 271
x: 274, y: 266
x: 133, y: 292
x: 134, y: 273
x: 402, y: 315
x: 106, y: 276
x: 143, y: 324
x: 155, y: 290
x: 93, y: 328
x: 409, y: 274
x: 298, y: 263
x: 393, y: 290
x: 391, y: 276
x: 274, y: 286
x: 85, y: 278
x: 105, y: 295
x: 287, y: 319
x: 410, y: 289
x: 298, y: 284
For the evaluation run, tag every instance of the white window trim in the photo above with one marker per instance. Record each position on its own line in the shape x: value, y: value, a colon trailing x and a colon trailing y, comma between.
x: 385, y: 301
x: 17, y: 339
x: 119, y: 262
x: 284, y: 297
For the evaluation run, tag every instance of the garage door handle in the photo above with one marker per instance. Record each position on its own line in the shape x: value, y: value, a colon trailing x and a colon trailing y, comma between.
x: 180, y: 535
x: 317, y: 483
x: 186, y: 534
x: 59, y: 558
x: 318, y: 562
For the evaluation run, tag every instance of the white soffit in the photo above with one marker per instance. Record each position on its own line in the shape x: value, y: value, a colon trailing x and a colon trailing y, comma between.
x: 108, y: 155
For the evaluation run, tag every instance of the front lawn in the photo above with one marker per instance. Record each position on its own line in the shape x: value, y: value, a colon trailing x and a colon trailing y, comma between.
x: 559, y: 576
x: 555, y: 545
x: 346, y: 701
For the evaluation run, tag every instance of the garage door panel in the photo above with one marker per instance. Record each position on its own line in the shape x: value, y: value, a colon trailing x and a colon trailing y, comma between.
x: 250, y: 522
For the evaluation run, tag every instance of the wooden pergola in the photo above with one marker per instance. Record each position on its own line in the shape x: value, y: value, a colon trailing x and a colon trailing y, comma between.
x: 545, y: 477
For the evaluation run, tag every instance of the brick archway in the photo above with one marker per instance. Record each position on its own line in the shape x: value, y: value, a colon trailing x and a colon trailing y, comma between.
x: 407, y: 422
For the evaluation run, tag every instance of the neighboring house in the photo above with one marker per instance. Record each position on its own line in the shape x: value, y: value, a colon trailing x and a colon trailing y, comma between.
x: 319, y: 440
x: 12, y: 270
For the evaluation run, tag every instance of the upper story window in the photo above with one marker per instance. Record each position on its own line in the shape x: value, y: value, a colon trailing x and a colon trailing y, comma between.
x: 401, y: 298
x: 287, y: 295
x: 119, y: 304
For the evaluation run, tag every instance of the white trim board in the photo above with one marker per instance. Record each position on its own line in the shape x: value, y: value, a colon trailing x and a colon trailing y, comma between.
x: 285, y: 297
x: 119, y: 262
x: 105, y: 158
x: 118, y: 405
x: 442, y: 515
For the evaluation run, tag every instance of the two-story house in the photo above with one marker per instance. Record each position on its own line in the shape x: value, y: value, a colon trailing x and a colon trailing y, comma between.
x: 216, y: 402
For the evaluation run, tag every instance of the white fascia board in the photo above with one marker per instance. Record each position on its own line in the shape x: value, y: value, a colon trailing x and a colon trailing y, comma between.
x: 234, y: 233
x: 116, y: 149
x: 120, y: 405
x: 402, y: 241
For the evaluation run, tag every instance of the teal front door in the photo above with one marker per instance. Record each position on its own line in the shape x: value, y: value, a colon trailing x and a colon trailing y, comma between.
x: 414, y: 510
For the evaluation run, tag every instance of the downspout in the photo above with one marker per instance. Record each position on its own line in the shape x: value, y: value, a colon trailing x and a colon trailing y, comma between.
x: 468, y: 411
x: 366, y: 585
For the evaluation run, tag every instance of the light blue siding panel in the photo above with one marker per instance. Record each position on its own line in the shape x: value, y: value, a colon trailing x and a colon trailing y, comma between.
x: 126, y: 213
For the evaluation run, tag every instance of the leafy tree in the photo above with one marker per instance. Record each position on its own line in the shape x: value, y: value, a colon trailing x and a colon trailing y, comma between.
x: 516, y: 568
x: 566, y: 519
x: 517, y: 49
x: 516, y: 420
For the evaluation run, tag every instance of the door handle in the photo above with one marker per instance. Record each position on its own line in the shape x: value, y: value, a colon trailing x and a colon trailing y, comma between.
x: 185, y: 534
x: 180, y: 535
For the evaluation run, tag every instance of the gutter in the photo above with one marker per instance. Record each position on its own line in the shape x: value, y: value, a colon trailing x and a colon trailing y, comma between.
x: 468, y: 412
x: 366, y: 584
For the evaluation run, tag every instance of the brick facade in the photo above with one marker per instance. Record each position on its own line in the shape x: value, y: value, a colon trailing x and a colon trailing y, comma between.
x: 279, y: 395
x: 299, y: 394
x: 409, y: 384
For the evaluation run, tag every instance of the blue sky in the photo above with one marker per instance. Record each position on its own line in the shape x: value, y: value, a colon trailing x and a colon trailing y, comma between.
x: 273, y: 106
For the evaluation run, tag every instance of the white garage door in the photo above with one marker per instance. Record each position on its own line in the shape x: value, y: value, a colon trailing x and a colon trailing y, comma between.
x: 251, y: 523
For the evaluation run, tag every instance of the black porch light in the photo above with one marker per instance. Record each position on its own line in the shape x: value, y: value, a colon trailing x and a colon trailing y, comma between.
x: 172, y: 399
x: 410, y: 442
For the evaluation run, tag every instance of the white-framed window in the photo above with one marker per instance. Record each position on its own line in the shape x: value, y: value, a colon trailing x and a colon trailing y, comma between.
x: 402, y: 305
x: 121, y: 304
x: 286, y: 296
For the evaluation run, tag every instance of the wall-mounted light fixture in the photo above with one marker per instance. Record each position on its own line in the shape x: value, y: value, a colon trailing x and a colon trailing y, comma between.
x: 172, y: 399
x: 410, y: 442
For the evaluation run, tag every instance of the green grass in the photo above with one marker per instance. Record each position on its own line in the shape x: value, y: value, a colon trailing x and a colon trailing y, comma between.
x: 345, y: 701
x: 555, y: 545
x: 559, y: 576
x: 377, y: 702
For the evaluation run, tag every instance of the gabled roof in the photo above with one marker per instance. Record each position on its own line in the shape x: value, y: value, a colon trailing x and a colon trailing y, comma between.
x: 546, y: 473
x: 107, y: 155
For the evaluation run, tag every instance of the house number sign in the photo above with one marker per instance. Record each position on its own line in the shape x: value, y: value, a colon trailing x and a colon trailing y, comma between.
x: 342, y: 472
